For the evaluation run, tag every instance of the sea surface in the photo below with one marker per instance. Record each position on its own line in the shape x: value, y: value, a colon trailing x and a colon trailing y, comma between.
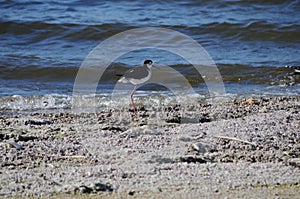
x: 44, y: 43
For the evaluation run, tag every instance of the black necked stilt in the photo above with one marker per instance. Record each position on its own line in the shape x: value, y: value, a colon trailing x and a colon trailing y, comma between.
x: 136, y: 76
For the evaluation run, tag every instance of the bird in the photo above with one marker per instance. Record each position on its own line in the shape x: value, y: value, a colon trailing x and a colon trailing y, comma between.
x: 296, y: 68
x: 137, y: 76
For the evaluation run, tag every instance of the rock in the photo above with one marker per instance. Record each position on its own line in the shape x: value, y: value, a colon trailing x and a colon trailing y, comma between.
x: 250, y: 101
x: 101, y: 187
x: 112, y: 128
x: 294, y: 162
x: 84, y: 189
x: 174, y: 119
x: 38, y: 122
x: 26, y: 138
x: 93, y: 188
x: 192, y: 159
x: 198, y: 148
x: 15, y: 145
x: 203, y: 120
x: 185, y: 139
x: 131, y: 193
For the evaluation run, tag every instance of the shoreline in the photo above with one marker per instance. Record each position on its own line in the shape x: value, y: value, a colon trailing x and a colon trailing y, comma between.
x: 240, y: 148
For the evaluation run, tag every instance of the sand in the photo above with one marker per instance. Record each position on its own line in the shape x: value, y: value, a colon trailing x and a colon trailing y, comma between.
x: 242, y: 148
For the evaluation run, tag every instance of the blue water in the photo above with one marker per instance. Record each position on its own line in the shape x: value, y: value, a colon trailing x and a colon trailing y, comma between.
x: 43, y: 43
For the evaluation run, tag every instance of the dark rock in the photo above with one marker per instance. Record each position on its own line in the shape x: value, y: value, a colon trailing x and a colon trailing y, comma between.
x: 36, y: 122
x: 112, y: 128
x: 84, y: 189
x: 192, y: 159
x: 131, y: 193
x: 294, y: 162
x: 102, y: 187
x: 174, y: 119
x: 203, y: 120
x: 94, y: 188
x: 16, y: 145
x: 26, y: 138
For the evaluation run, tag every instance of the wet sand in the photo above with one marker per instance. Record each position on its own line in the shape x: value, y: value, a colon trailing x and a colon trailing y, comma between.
x: 242, y: 148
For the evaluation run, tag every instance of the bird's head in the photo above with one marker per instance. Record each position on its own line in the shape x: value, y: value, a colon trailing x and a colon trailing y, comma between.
x: 148, y: 63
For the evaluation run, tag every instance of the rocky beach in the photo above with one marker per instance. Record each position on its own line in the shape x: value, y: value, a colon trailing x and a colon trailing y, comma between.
x: 219, y: 117
x: 241, y: 148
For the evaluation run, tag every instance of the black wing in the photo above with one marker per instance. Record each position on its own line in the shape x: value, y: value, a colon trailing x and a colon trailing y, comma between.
x: 138, y: 72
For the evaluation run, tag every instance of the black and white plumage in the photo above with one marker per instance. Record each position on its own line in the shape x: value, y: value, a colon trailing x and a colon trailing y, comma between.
x: 295, y: 68
x: 136, y: 76
x: 139, y: 74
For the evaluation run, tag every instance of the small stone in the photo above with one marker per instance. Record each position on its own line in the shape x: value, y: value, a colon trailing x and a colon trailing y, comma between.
x: 101, y: 187
x: 124, y: 175
x: 84, y: 189
x: 26, y: 138
x: 198, y: 148
x: 112, y: 128
x: 38, y: 122
x: 294, y: 162
x: 131, y: 193
x: 185, y: 139
x: 192, y: 159
x: 14, y: 145
x: 204, y: 120
x: 250, y: 101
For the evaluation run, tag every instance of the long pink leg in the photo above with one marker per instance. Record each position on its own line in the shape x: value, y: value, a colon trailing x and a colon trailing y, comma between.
x: 131, y: 95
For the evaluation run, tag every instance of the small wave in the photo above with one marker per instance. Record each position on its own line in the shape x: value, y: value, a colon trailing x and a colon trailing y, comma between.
x: 251, y: 31
x: 235, y: 73
x: 57, y: 102
x: 35, y: 73
x: 38, y: 31
x: 259, y: 75
x: 243, y: 74
x: 31, y: 103
x: 237, y: 3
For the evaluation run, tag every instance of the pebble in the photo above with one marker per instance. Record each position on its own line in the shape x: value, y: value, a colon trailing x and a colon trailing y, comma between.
x: 254, y: 121
x: 294, y: 162
x: 14, y: 145
x: 198, y: 148
x: 38, y: 122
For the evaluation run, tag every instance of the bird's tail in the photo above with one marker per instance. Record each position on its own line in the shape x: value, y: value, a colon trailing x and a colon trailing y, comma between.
x: 123, y: 80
